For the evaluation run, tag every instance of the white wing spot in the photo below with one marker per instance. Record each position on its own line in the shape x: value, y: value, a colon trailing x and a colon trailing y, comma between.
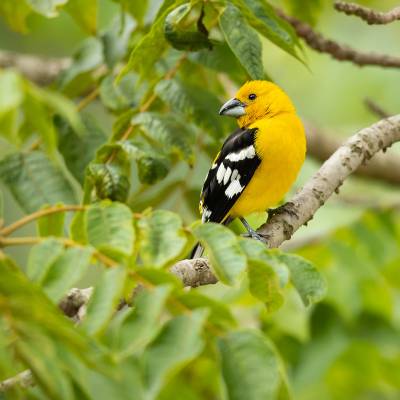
x: 248, y: 152
x: 234, y: 174
x: 227, y: 175
x: 234, y: 188
x: 220, y: 173
x: 205, y: 215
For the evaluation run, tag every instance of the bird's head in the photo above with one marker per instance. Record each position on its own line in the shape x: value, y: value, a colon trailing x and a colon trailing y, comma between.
x: 256, y: 100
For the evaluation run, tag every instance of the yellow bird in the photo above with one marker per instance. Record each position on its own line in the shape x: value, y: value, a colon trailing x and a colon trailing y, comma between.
x: 257, y: 163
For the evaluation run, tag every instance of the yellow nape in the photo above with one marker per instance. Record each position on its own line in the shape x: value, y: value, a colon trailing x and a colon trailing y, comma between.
x: 269, y: 101
x: 280, y: 143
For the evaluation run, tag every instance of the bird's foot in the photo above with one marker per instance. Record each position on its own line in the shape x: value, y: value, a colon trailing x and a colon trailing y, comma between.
x: 254, y: 235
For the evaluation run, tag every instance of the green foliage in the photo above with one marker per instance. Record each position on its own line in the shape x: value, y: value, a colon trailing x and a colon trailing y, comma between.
x: 250, y: 368
x: 34, y: 180
x: 225, y: 254
x: 305, y: 278
x: 243, y: 41
x: 162, y: 238
x: 109, y: 228
x: 326, y: 313
x: 184, y: 28
x: 52, y: 224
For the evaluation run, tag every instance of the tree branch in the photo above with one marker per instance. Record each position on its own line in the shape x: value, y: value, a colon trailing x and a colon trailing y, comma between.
x: 23, y: 379
x: 40, y: 70
x: 336, y: 50
x: 372, y: 17
x: 383, y: 167
x: 356, y: 151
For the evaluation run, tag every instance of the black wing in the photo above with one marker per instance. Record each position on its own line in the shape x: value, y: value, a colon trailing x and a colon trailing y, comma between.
x: 229, y: 175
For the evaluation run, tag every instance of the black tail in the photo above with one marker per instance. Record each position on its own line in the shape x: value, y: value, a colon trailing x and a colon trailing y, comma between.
x: 197, y: 251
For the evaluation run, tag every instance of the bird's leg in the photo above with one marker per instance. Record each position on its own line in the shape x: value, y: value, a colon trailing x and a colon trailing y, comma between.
x: 251, y: 232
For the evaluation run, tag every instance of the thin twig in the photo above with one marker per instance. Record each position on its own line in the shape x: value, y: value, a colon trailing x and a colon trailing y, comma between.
x: 31, y: 240
x: 88, y: 99
x: 371, y: 17
x: 376, y: 108
x: 336, y: 50
x: 7, y: 230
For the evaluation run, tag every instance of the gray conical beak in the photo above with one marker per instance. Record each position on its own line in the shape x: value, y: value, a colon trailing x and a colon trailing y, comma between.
x: 233, y: 108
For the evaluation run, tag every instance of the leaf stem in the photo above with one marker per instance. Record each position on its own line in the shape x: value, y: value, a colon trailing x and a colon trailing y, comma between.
x: 88, y: 99
x: 27, y: 240
x: 6, y: 231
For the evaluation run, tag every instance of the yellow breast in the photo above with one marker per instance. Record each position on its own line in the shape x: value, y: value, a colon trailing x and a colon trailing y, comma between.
x: 281, y: 146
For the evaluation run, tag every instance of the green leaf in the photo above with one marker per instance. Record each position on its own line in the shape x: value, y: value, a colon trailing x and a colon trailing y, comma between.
x: 227, y: 259
x: 102, y: 305
x: 148, y: 51
x: 88, y: 57
x: 84, y: 12
x: 306, y: 10
x: 243, y: 41
x: 38, y: 121
x: 221, y: 59
x: 60, y: 105
x: 136, y: 9
x: 113, y: 95
x: 250, y: 367
x: 178, y: 343
x: 258, y: 251
x: 35, y: 181
x: 52, y: 224
x: 194, y: 102
x: 220, y: 314
x: 263, y: 17
x: 15, y: 14
x: 110, y: 228
x: 168, y: 131
x: 151, y: 168
x: 117, y: 38
x: 1, y: 208
x: 264, y: 284
x: 40, y: 332
x: 134, y: 328
x: 184, y: 28
x: 162, y: 239
x: 48, y: 8
x: 305, y: 278
x: 11, y: 91
x: 109, y: 180
x: 65, y: 271
x: 41, y: 257
x: 79, y: 150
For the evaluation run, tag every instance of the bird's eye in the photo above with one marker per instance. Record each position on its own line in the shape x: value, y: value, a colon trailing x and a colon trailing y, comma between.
x: 252, y: 96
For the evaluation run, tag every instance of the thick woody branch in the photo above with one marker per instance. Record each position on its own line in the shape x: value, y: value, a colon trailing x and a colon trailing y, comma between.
x: 383, y: 167
x: 355, y: 152
x: 336, y: 50
x: 370, y: 16
x: 40, y: 70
